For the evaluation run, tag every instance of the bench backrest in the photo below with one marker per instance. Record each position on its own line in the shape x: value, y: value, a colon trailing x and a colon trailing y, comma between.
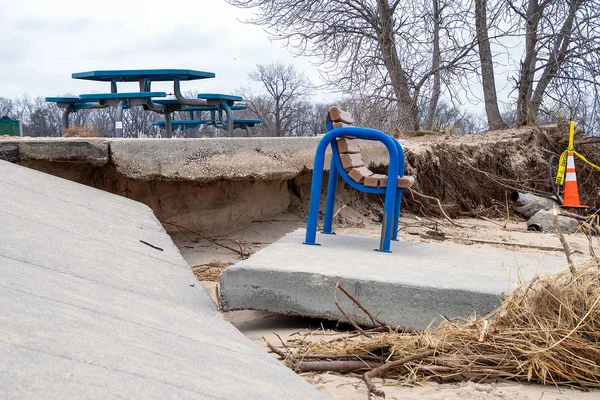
x: 337, y: 118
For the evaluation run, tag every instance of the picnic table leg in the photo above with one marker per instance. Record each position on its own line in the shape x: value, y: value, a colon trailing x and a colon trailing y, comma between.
x: 168, y: 125
x: 65, y: 120
x: 113, y: 86
x: 229, y: 115
x: 144, y: 84
x: 119, y: 119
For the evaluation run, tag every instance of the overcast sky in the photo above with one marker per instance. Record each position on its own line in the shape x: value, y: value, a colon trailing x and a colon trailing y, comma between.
x: 43, y: 42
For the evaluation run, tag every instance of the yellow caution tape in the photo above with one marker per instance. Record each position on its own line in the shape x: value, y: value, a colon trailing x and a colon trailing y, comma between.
x: 562, y: 164
x: 562, y: 167
x: 571, y: 136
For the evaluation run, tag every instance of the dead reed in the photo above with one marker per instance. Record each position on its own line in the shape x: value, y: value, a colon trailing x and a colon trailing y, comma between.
x: 546, y: 331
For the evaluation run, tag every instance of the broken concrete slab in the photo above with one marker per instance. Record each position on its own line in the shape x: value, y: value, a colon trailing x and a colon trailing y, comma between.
x: 412, y: 287
x: 92, y: 151
x: 89, y: 311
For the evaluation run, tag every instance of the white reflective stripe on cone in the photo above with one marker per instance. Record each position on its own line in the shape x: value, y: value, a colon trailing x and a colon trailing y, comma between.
x: 571, y: 176
x: 570, y: 162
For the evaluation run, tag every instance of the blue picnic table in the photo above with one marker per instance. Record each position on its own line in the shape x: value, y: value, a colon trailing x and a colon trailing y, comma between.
x: 217, y: 104
x: 144, y: 77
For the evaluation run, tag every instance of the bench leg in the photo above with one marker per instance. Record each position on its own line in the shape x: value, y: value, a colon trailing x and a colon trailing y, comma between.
x: 388, y: 218
x: 315, y: 194
x: 330, y: 202
x: 397, y: 214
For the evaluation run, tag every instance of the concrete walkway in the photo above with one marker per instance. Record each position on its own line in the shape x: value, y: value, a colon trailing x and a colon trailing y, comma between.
x: 87, y: 310
x: 412, y: 287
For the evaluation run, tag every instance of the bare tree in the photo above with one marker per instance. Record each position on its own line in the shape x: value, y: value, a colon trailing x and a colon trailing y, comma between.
x: 487, y: 68
x: 372, y: 46
x: 562, y: 42
x: 7, y: 107
x: 282, y: 103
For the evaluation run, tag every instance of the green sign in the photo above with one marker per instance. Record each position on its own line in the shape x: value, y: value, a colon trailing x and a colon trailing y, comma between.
x: 9, y: 126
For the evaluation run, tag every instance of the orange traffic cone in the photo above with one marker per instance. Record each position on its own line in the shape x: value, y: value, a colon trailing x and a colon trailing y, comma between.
x: 571, y: 195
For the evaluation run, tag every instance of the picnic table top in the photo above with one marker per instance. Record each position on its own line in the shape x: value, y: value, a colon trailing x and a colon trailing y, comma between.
x: 134, y: 75
x: 64, y: 100
x: 132, y: 95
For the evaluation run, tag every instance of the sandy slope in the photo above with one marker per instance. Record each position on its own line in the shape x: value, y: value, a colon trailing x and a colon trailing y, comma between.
x: 261, y: 326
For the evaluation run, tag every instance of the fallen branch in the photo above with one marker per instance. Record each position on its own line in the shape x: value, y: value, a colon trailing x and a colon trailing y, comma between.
x: 275, y: 350
x: 374, y: 319
x: 334, y: 366
x: 564, y: 243
x: 412, y: 191
x: 368, y: 376
x: 350, y: 320
x: 213, y: 241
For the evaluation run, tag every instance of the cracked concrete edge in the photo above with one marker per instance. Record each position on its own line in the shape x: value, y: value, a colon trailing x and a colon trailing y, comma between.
x: 93, y: 151
x: 247, y: 286
x: 210, y: 159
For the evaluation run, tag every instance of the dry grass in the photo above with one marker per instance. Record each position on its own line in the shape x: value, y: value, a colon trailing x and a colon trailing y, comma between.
x: 547, y: 331
x: 211, y: 271
x: 79, y: 131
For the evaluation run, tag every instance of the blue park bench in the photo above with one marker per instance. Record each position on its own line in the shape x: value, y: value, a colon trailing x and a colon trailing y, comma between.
x: 72, y: 104
x: 346, y: 161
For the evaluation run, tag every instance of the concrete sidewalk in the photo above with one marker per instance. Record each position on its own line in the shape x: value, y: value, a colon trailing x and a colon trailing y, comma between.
x: 412, y: 287
x: 87, y: 310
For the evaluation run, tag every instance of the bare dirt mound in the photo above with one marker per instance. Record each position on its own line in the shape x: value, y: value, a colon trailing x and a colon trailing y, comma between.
x: 469, y: 173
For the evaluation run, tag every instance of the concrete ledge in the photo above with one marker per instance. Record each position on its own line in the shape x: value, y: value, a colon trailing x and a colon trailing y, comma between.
x: 83, y: 150
x: 411, y: 288
x: 206, y: 160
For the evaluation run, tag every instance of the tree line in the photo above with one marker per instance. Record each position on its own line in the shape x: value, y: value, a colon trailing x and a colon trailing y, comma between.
x: 283, y: 101
x: 404, y: 65
x: 406, y: 56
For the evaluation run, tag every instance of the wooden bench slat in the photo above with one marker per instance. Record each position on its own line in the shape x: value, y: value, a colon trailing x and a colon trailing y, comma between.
x: 338, y: 115
x: 345, y: 145
x: 373, y: 180
x: 350, y: 161
x: 340, y: 125
x: 404, y: 182
x: 358, y: 175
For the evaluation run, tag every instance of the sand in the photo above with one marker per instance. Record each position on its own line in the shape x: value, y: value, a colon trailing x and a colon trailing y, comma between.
x: 263, y: 326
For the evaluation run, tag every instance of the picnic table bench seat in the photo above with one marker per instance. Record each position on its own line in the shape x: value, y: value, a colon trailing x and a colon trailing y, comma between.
x: 347, y: 162
x: 72, y: 104
x: 183, y: 107
x: 229, y: 98
x: 246, y: 124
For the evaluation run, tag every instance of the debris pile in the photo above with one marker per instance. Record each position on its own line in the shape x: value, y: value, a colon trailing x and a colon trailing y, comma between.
x: 546, y: 331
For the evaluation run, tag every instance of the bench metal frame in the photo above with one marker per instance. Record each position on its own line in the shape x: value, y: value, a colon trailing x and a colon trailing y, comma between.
x: 393, y: 194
